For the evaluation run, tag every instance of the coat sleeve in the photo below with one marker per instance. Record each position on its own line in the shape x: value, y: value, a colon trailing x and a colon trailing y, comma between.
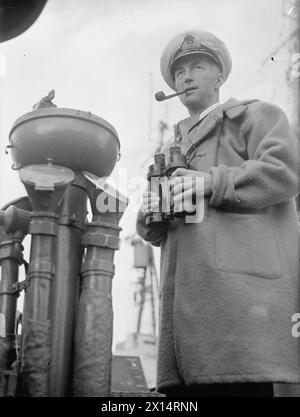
x: 271, y: 175
x: 152, y: 234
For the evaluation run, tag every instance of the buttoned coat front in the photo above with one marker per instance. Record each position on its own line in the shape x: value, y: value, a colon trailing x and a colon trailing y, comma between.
x: 230, y: 284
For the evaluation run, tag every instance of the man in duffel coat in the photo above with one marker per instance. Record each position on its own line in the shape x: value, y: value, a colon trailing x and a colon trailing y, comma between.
x: 229, y: 284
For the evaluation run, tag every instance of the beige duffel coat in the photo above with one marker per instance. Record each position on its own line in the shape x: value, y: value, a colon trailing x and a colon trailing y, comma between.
x: 230, y: 284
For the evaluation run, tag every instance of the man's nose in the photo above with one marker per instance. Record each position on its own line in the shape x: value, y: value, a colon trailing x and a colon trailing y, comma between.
x: 188, y: 76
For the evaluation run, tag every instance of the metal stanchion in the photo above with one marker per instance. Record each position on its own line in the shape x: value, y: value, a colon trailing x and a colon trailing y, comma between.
x: 46, y: 185
x: 94, y: 327
x: 65, y: 289
x: 14, y: 223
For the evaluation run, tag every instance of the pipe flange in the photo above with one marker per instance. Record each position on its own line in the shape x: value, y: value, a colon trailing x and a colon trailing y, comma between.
x: 101, y: 240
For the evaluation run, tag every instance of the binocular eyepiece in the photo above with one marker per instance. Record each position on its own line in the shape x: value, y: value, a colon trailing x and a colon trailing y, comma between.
x: 158, y: 177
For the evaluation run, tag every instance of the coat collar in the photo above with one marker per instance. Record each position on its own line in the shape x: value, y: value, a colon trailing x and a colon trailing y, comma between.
x: 232, y: 109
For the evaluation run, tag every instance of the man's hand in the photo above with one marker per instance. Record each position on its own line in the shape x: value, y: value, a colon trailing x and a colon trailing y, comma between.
x: 185, y: 186
x: 150, y: 202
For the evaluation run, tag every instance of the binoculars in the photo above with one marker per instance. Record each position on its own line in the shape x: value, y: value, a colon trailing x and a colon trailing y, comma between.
x: 159, y: 182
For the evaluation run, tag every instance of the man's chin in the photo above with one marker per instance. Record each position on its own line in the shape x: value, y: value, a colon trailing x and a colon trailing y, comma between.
x: 192, y: 102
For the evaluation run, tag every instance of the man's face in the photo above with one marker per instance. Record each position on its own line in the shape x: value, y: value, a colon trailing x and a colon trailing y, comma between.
x: 201, y: 72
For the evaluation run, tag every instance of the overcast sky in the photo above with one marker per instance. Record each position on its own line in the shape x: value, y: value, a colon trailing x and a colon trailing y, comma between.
x: 98, y: 56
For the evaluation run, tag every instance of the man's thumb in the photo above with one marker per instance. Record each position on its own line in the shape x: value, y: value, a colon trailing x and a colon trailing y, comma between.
x: 180, y: 172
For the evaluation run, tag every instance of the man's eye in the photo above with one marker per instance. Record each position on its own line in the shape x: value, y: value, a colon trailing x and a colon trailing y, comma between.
x: 199, y: 67
x: 178, y: 73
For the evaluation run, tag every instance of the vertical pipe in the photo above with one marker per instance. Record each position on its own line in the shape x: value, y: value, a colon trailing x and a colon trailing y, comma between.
x: 93, y: 335
x: 65, y: 290
x: 46, y: 185
x: 14, y: 222
x: 37, y: 326
x: 10, y: 256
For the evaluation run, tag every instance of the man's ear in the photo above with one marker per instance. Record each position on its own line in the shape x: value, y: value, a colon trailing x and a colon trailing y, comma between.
x: 219, y: 80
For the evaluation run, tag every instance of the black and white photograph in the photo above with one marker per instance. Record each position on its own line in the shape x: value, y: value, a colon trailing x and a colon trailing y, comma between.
x: 149, y: 201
